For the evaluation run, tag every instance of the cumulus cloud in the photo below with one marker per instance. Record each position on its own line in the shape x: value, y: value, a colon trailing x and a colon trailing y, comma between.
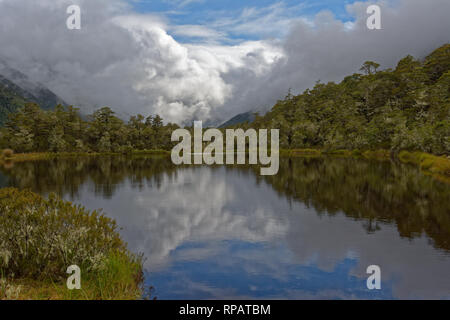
x: 120, y: 59
x: 132, y: 63
x: 328, y: 49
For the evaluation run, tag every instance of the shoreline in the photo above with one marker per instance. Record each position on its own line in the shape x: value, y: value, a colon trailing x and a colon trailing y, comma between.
x: 22, y: 157
x: 436, y: 166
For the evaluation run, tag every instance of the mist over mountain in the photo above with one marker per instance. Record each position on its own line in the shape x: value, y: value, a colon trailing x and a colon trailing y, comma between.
x: 11, y: 98
x: 16, y: 89
x: 33, y: 91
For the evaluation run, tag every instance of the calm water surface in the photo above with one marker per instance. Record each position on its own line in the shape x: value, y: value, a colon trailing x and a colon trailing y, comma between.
x: 226, y: 232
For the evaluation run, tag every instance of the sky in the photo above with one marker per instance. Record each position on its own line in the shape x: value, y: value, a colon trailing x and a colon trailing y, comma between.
x: 237, y: 20
x: 207, y: 60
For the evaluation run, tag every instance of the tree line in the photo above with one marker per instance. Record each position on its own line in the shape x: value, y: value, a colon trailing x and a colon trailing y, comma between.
x: 32, y: 129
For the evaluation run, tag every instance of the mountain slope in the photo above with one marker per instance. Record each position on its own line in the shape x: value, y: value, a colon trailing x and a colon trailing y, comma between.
x: 239, y: 119
x: 12, y: 97
x: 16, y: 89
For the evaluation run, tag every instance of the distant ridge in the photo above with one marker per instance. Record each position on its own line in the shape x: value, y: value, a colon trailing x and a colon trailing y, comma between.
x: 16, y: 89
x: 239, y: 119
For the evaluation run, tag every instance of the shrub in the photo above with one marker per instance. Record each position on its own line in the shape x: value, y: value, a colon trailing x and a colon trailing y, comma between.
x: 40, y: 238
x: 7, y: 153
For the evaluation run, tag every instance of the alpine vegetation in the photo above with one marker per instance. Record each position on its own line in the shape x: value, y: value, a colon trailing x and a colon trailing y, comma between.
x: 236, y: 143
x: 41, y: 237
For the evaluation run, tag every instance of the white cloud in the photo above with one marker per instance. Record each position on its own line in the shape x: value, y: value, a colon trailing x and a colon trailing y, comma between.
x: 327, y: 49
x: 196, y: 31
x: 121, y: 59
x: 132, y: 63
x: 273, y: 21
x: 188, y: 79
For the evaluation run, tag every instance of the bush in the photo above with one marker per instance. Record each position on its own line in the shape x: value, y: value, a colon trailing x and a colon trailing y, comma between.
x: 40, y: 238
x: 7, y: 153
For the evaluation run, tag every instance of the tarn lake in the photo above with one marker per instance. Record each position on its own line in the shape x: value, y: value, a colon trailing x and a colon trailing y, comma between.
x: 226, y: 232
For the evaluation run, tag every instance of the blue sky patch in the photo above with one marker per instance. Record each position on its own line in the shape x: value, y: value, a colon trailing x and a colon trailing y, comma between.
x: 235, y: 20
x: 257, y: 271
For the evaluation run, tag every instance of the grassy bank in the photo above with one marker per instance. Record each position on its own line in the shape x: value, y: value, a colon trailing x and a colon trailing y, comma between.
x: 120, y: 279
x: 438, y: 166
x: 152, y: 152
x: 40, y: 238
x: 377, y: 154
x: 427, y: 162
x: 20, y: 157
x: 300, y: 152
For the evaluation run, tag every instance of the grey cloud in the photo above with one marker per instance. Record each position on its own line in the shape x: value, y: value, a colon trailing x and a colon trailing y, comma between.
x: 131, y: 63
x: 118, y: 58
x: 328, y: 50
x: 82, y: 67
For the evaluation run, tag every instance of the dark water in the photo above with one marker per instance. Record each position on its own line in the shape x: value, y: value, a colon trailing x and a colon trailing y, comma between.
x: 226, y: 232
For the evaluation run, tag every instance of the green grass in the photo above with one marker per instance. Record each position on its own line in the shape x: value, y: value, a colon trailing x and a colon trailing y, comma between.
x: 437, y: 166
x: 380, y: 154
x: 431, y: 164
x: 300, y: 152
x: 20, y: 157
x: 151, y: 152
x: 339, y: 153
x: 121, y: 279
x: 41, y: 237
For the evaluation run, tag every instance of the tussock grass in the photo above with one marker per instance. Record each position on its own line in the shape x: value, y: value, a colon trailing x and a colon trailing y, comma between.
x: 380, y: 154
x: 437, y: 166
x: 432, y: 164
x: 339, y: 153
x: 119, y: 279
x: 300, y: 152
x: 40, y: 238
x: 21, y: 157
x: 151, y: 152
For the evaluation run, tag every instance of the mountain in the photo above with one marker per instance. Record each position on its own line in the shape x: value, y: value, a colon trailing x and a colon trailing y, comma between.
x: 239, y: 119
x: 12, y: 97
x: 16, y: 89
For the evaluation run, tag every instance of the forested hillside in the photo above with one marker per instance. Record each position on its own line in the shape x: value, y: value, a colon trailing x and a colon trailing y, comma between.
x: 403, y: 108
